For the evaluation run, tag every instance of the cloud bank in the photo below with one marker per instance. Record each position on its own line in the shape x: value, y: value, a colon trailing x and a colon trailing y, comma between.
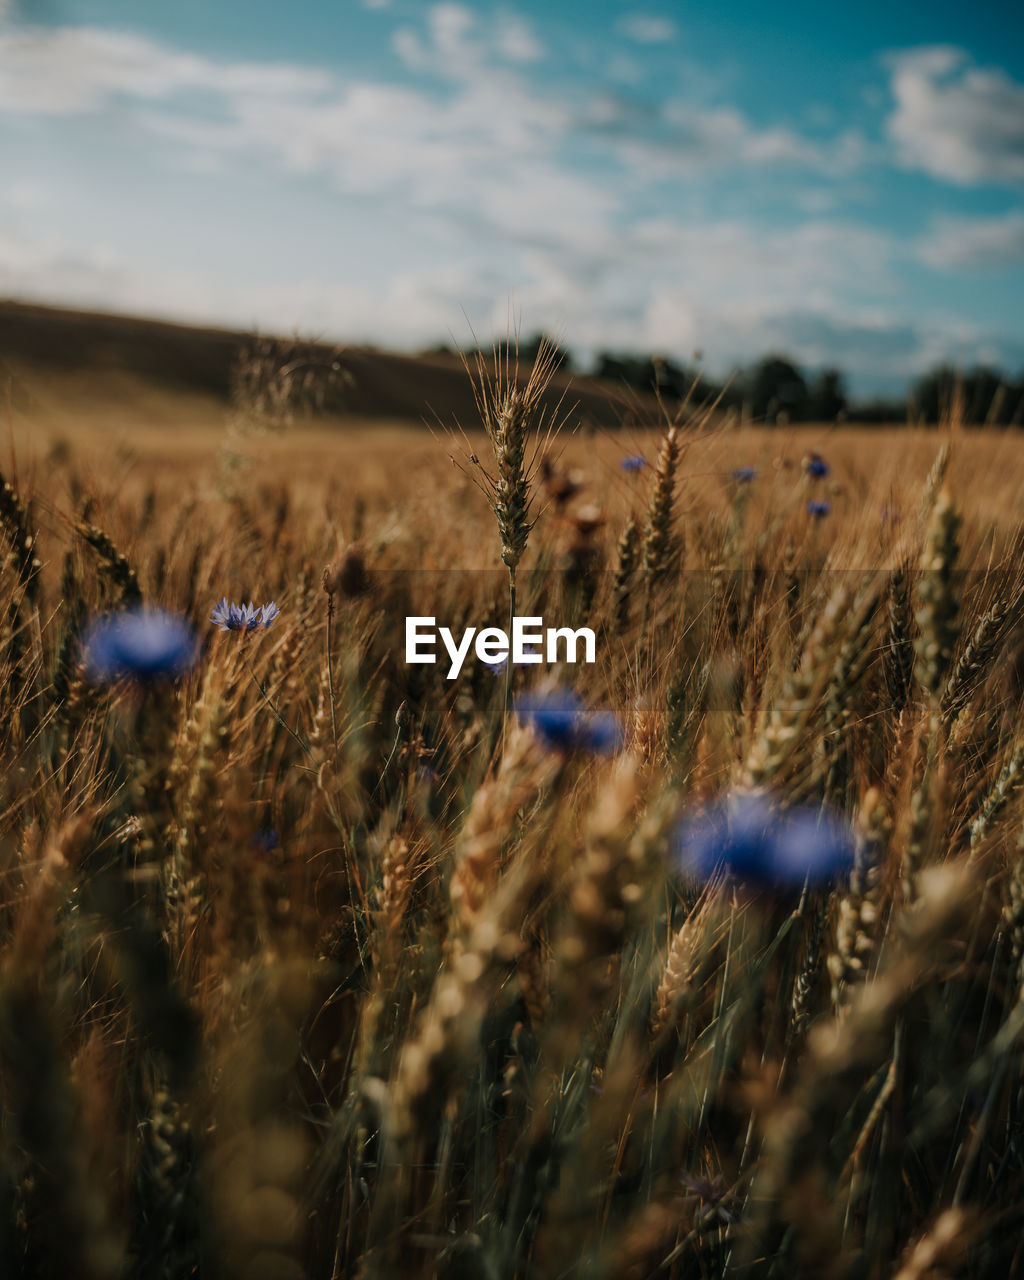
x: 568, y: 199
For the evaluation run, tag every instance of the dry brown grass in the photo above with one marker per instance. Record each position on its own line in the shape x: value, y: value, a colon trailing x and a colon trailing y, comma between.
x: 466, y: 1017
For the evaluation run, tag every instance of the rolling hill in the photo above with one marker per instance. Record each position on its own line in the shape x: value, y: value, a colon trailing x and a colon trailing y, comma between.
x: 56, y: 359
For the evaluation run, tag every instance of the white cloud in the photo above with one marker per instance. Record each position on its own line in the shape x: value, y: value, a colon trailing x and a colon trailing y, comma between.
x: 974, y: 243
x: 70, y: 70
x: 452, y: 46
x: 724, y: 286
x: 686, y: 140
x: 457, y: 45
x: 748, y: 271
x: 493, y: 142
x: 646, y: 28
x: 407, y: 310
x: 489, y: 159
x: 516, y: 40
x: 25, y: 194
x: 450, y: 24
x: 954, y: 120
x: 48, y: 266
x: 488, y: 148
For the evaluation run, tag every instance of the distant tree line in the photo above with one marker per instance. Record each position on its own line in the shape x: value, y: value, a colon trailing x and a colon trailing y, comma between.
x: 775, y: 390
x: 772, y: 390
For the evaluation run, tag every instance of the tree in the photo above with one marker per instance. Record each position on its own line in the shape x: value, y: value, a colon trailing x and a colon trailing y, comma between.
x: 826, y: 399
x: 776, y: 385
x: 652, y: 374
x: 530, y: 349
x: 642, y: 373
x: 877, y: 411
x: 989, y: 396
x: 932, y: 394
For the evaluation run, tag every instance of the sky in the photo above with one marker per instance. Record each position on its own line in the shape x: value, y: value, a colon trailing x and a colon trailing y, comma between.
x: 844, y: 184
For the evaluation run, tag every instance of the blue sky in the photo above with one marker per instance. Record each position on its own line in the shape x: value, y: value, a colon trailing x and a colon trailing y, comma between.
x: 846, y: 186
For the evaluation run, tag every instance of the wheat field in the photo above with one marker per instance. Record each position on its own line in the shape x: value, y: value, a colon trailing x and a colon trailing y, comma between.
x: 314, y: 963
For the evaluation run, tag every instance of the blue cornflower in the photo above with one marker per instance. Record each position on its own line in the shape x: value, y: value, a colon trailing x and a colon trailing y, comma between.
x: 140, y: 644
x: 554, y: 716
x: 818, y: 509
x: 265, y: 840
x: 751, y: 838
x: 712, y: 1196
x: 562, y: 722
x: 635, y: 462
x: 744, y: 475
x: 243, y: 617
x: 817, y: 843
x: 601, y: 733
x: 816, y: 466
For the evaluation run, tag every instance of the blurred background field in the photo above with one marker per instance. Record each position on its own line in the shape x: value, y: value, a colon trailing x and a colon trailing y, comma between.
x: 144, y: 408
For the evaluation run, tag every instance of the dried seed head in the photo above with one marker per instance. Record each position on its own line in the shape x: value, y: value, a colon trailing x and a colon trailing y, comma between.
x: 661, y: 540
x: 512, y: 415
x: 938, y: 615
x: 676, y: 984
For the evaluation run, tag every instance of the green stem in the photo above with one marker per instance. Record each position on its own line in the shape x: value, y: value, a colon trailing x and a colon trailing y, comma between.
x: 387, y: 764
x: 304, y: 745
